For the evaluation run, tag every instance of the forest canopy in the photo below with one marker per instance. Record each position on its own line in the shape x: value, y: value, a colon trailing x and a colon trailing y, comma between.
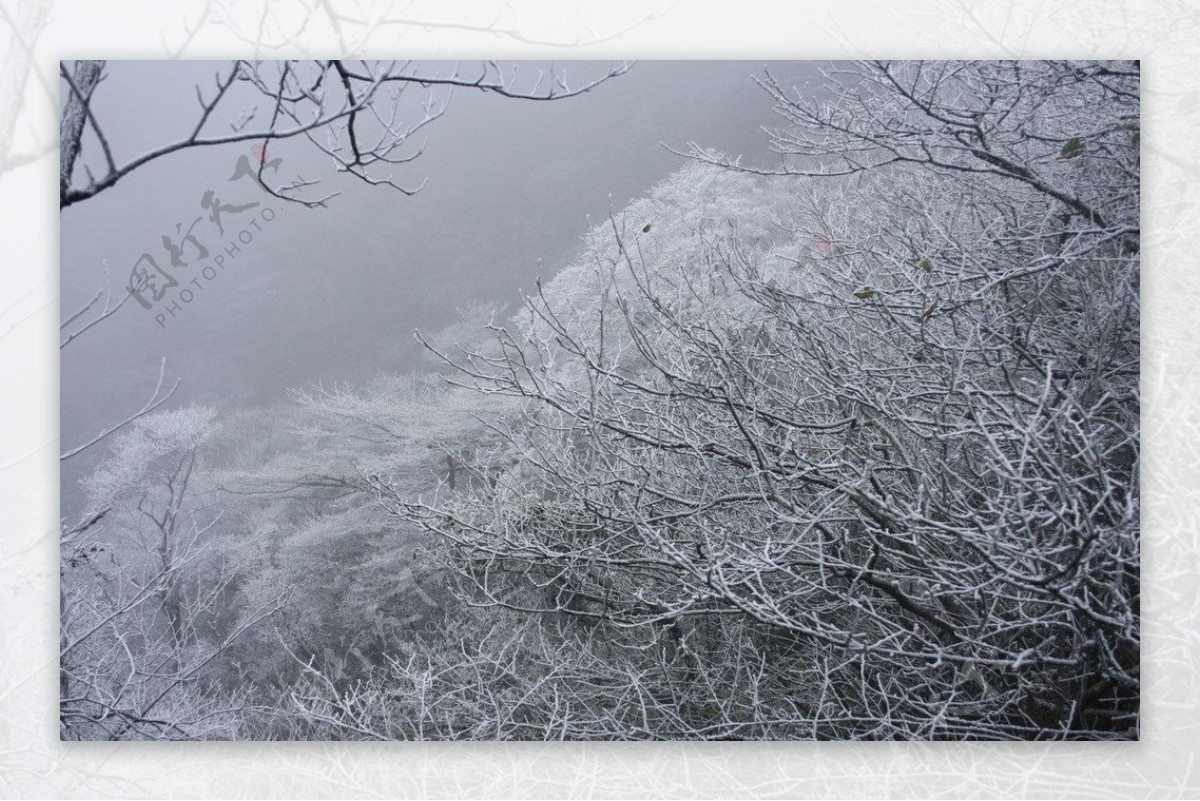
x: 846, y: 447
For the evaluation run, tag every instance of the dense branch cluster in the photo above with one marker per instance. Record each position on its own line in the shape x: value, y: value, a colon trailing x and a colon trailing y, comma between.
x: 846, y: 448
x: 885, y: 428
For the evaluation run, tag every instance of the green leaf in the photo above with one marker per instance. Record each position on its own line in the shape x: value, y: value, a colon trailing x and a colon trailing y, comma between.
x: 866, y: 293
x: 1072, y: 148
x: 927, y: 265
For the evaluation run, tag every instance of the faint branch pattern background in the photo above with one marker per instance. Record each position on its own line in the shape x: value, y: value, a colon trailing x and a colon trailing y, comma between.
x: 1163, y: 33
x: 359, y: 29
x: 23, y: 30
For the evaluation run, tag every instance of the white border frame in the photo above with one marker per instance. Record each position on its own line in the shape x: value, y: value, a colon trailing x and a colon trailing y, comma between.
x: 1165, y: 34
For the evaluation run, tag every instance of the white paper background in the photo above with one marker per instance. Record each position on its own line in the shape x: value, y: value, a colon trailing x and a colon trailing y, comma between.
x: 1166, y: 35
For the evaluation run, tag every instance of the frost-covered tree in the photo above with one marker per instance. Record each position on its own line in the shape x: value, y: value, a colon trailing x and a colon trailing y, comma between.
x: 148, y: 604
x: 299, y: 482
x: 869, y: 423
x: 843, y: 448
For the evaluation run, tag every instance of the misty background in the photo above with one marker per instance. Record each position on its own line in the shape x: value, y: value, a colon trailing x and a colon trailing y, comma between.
x: 334, y: 294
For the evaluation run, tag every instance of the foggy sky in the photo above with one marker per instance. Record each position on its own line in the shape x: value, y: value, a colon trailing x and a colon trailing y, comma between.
x: 334, y: 294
